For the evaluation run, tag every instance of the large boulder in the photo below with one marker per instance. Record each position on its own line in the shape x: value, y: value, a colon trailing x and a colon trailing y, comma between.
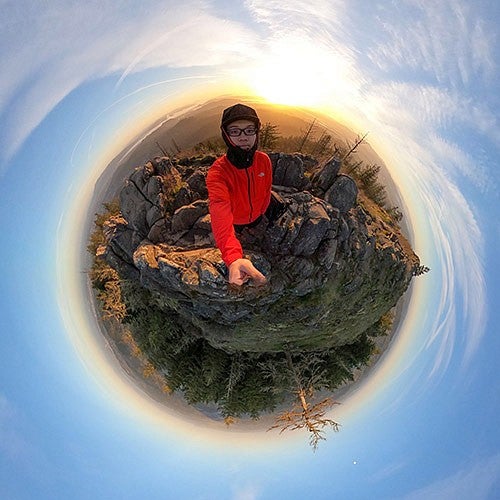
x: 325, y: 176
x: 289, y: 170
x: 342, y: 193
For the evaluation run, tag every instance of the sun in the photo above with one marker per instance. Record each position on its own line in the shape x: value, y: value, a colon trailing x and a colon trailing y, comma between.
x: 299, y: 73
x: 279, y: 83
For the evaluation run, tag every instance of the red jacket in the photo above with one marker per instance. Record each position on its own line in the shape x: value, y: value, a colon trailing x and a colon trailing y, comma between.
x: 237, y: 196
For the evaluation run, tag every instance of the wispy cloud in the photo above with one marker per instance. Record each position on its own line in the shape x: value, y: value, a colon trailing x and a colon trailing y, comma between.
x: 475, y: 480
x: 446, y: 39
x: 13, y: 445
x: 49, y: 50
x: 414, y: 122
x: 303, y: 51
x: 427, y: 114
x: 278, y: 15
x: 246, y: 492
x: 459, y: 245
x: 320, y: 26
x: 388, y: 471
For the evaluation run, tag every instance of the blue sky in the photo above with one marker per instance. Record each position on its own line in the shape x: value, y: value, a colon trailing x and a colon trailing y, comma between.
x: 80, y: 81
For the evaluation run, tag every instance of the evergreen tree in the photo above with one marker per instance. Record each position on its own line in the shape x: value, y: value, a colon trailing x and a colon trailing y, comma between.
x: 421, y: 270
x: 214, y: 145
x: 395, y: 214
x: 269, y: 136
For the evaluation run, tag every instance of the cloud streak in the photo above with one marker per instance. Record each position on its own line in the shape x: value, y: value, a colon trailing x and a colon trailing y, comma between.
x: 47, y: 52
x: 476, y: 481
x: 14, y: 447
x: 458, y: 245
x: 411, y: 120
x: 447, y: 39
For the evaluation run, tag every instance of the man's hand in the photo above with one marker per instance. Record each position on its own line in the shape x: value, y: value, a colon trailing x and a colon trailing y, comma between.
x: 241, y: 270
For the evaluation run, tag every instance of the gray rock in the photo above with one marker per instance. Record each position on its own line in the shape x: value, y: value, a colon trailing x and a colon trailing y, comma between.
x: 185, y: 217
x: 289, y: 171
x: 134, y: 207
x: 204, y: 223
x: 160, y: 231
x: 197, y: 183
x: 122, y: 243
x: 153, y: 215
x: 184, y: 197
x: 325, y: 177
x: 342, y: 193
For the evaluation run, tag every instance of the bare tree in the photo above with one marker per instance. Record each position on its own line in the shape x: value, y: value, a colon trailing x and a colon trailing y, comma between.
x: 162, y: 149
x: 322, y: 145
x: 359, y: 140
x: 306, y: 135
x: 176, y: 146
x: 304, y: 414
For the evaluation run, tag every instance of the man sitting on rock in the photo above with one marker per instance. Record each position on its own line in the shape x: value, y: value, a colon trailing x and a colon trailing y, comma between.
x: 239, y: 190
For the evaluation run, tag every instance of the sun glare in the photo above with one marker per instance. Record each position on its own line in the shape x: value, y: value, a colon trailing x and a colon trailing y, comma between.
x: 300, y: 74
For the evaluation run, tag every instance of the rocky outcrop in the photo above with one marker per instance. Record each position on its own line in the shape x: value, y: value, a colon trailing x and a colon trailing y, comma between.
x: 334, y: 266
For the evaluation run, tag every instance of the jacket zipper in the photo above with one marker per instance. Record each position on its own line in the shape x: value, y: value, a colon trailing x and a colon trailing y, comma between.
x: 249, y: 195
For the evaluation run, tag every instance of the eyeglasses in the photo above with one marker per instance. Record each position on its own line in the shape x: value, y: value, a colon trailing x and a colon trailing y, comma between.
x: 236, y: 132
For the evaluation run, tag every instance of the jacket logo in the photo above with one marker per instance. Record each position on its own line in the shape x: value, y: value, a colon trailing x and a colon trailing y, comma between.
x: 261, y: 174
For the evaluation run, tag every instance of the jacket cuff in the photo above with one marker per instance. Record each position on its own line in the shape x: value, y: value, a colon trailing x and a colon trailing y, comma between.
x: 230, y: 258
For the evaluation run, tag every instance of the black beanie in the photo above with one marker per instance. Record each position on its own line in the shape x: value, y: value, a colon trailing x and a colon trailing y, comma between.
x: 239, y: 112
x: 236, y: 155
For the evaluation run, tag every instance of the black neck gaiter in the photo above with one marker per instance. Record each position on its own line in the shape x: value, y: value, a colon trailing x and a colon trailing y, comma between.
x: 238, y: 156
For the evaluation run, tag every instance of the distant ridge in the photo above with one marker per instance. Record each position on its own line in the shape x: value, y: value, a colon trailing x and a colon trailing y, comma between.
x: 202, y: 122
